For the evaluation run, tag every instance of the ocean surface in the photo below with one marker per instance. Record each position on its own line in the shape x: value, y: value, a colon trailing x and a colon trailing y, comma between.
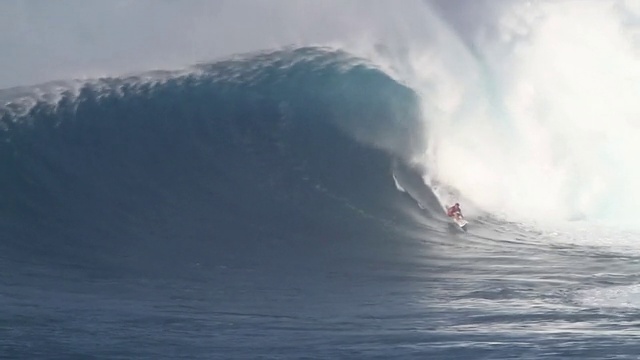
x: 270, y: 206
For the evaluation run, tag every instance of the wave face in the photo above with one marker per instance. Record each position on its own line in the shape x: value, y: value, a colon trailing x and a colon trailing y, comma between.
x: 227, y: 156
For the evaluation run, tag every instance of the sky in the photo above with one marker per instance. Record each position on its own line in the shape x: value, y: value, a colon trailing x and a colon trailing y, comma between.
x: 57, y: 40
x: 74, y: 39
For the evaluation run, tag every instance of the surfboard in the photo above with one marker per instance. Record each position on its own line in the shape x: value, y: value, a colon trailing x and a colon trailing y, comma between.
x: 462, y: 223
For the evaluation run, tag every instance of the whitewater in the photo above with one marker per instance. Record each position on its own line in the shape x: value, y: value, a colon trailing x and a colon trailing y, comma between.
x: 258, y: 179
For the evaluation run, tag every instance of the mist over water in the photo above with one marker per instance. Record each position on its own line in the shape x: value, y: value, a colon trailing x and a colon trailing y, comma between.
x: 535, y: 117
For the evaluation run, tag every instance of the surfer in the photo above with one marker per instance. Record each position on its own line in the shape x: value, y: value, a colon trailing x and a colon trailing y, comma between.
x: 454, y: 211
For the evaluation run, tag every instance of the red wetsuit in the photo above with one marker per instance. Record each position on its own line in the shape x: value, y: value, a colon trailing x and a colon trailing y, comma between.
x: 455, y: 209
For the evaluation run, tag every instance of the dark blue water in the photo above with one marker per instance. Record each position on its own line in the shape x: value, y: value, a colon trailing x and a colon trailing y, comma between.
x: 248, y: 209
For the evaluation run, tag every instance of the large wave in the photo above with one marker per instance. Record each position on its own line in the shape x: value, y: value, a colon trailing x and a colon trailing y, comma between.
x: 278, y: 146
x: 527, y: 111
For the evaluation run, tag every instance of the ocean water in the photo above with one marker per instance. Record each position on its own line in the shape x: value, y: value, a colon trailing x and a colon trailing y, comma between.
x: 288, y: 204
